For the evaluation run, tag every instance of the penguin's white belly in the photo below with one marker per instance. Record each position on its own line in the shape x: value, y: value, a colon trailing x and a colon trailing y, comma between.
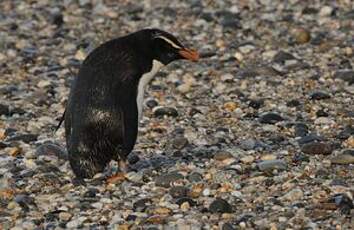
x: 144, y: 80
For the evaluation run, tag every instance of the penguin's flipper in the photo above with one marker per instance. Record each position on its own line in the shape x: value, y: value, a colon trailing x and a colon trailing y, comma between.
x: 60, y: 121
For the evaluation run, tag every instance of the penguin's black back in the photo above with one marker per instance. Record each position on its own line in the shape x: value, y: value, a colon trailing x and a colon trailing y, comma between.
x: 101, y: 118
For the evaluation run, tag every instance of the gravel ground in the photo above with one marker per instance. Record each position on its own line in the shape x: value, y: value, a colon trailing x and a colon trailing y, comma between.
x: 258, y: 135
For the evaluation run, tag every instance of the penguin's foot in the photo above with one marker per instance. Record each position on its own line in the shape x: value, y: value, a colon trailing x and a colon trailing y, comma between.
x: 123, y: 166
x: 121, y: 175
x: 77, y: 181
x: 116, y: 178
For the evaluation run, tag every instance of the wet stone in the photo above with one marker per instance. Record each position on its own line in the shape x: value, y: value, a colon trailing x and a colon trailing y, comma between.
x: 293, y: 103
x: 178, y: 191
x: 141, y: 205
x: 228, y: 226
x: 256, y: 104
x: 301, y: 130
x: 220, y: 206
x: 151, y: 103
x: 222, y: 155
x: 346, y: 133
x: 194, y: 177
x: 310, y: 138
x: 133, y: 158
x: 346, y: 157
x: 317, y: 148
x: 270, y: 118
x: 91, y: 193
x: 345, y: 75
x: 27, y: 138
x: 179, y: 142
x: 248, y: 144
x: 165, y: 111
x: 319, y: 95
x: 272, y: 164
x: 343, y: 202
x: 167, y: 179
x: 282, y: 57
x: 300, y: 157
x: 4, y: 110
x: 57, y: 19
x: 52, y: 149
x: 322, y: 113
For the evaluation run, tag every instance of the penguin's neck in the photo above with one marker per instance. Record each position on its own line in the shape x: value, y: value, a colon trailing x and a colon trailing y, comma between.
x: 144, y: 80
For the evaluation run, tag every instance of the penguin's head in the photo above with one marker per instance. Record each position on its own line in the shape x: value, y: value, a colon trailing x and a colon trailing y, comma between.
x: 166, y: 48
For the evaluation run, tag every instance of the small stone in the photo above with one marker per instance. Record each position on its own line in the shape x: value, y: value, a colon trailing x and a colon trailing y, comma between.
x: 185, y: 206
x: 282, y: 57
x: 248, y: 144
x: 301, y: 130
x: 151, y: 103
x: 349, y: 143
x: 27, y: 138
x: 270, y: 118
x: 134, y: 176
x: 184, y: 88
x: 65, y: 216
x: 194, y: 177
x: 91, y: 193
x: 345, y: 75
x: 321, y: 113
x: 230, y: 106
x: 43, y: 84
x: 223, y: 155
x: 317, y: 148
x: 228, y: 226
x: 162, y: 211
x: 326, y: 11
x: 179, y: 142
x: 346, y: 133
x: 301, y: 35
x: 343, y: 202
x: 247, y: 159
x: 293, y: 103
x: 178, y: 191
x: 271, y: 165
x: 256, y: 103
x: 188, y: 200
x: 4, y: 110
x: 80, y: 55
x: 76, y: 223
x: 268, y: 157
x: 319, y: 95
x: 196, y: 190
x: 167, y: 179
x: 310, y: 138
x: 220, y: 206
x: 14, y: 151
x: 52, y: 149
x: 343, y: 158
x: 57, y: 19
x: 141, y: 205
x: 206, y: 192
x: 293, y: 195
x: 160, y: 111
x: 324, y: 121
x: 156, y: 219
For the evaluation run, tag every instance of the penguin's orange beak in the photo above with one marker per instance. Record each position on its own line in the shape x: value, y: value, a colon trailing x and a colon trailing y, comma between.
x: 189, y: 54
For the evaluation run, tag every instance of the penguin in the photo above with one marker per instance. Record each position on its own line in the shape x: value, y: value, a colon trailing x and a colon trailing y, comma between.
x: 106, y: 98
